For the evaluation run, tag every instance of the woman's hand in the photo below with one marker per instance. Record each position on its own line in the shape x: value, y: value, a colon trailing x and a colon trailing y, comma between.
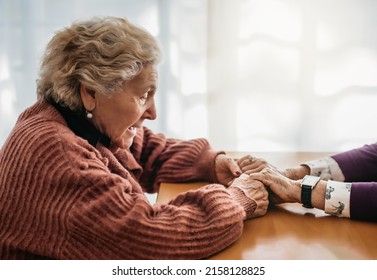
x: 256, y: 191
x: 282, y: 189
x: 250, y: 164
x: 226, y: 169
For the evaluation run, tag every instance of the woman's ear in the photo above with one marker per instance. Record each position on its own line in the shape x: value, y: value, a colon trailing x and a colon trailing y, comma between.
x: 88, y: 98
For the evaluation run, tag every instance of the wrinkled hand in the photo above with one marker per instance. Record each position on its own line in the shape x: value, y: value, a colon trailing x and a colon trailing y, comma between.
x: 226, y: 169
x: 254, y: 190
x: 281, y: 189
x: 250, y: 164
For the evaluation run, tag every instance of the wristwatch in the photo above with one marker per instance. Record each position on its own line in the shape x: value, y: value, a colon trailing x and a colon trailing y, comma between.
x: 307, y: 185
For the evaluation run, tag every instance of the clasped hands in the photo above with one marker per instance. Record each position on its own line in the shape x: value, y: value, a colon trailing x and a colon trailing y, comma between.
x: 258, y: 179
x: 281, y: 185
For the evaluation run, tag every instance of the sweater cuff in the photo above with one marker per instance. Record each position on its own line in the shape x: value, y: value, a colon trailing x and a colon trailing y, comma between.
x: 248, y: 204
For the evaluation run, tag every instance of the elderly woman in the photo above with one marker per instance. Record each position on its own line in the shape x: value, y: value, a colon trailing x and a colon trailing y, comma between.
x: 343, y: 185
x: 77, y: 163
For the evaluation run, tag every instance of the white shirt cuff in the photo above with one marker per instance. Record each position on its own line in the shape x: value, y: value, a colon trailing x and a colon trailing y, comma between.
x: 326, y: 168
x: 337, y: 198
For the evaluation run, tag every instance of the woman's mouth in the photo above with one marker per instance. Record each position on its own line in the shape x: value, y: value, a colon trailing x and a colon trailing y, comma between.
x: 132, y: 130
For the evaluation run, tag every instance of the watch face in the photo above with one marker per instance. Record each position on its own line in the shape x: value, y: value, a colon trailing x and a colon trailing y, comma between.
x: 310, y: 180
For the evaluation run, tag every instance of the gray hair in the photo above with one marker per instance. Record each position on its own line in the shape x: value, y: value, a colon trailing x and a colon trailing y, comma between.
x: 100, y: 54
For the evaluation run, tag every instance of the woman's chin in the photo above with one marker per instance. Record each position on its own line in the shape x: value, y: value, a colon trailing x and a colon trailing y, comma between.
x: 127, y: 144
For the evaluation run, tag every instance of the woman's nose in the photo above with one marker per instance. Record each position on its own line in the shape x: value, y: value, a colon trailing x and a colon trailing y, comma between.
x: 151, y: 113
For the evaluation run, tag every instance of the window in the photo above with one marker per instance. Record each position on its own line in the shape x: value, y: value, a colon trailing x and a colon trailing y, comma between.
x: 249, y: 75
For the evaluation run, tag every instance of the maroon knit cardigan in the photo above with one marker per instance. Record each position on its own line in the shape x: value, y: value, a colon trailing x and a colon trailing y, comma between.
x: 62, y: 198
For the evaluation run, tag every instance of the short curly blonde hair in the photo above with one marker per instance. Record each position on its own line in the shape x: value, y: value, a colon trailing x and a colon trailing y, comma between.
x: 100, y: 54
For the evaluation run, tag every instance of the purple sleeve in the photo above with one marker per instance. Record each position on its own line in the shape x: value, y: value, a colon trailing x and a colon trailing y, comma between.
x: 363, y: 204
x: 359, y: 166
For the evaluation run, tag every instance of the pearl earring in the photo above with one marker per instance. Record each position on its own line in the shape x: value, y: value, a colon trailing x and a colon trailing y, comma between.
x: 89, y: 115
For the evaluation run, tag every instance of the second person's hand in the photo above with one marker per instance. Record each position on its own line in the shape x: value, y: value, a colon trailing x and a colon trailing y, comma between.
x: 282, y: 188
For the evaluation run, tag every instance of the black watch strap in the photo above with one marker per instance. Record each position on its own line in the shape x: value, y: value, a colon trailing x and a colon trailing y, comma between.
x: 306, y: 196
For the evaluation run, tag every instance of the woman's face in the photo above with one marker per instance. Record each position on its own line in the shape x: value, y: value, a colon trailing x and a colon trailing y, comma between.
x: 120, y: 115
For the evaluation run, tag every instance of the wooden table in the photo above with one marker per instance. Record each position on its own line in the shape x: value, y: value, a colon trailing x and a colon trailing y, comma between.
x: 290, y: 231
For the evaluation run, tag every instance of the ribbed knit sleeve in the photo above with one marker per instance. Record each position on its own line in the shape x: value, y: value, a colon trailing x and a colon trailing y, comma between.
x: 61, y: 198
x: 123, y: 225
x: 114, y: 220
x: 171, y: 160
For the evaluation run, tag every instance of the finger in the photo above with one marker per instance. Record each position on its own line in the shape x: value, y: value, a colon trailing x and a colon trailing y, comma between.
x: 259, y: 195
x: 256, y: 169
x: 256, y: 176
x: 242, y: 159
x: 254, y: 165
x: 244, y: 176
x: 246, y: 160
x: 241, y: 179
x: 234, y: 168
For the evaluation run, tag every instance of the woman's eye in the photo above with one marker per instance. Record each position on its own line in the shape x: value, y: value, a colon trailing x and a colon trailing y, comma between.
x: 144, y: 98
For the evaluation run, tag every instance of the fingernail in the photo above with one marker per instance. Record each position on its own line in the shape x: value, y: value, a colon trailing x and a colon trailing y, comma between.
x: 238, y: 172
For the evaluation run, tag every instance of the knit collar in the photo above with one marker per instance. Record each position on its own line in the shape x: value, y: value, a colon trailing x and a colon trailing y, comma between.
x: 82, y: 127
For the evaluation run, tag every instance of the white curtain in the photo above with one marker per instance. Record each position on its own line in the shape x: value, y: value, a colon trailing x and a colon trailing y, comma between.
x: 249, y: 75
x: 292, y: 74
